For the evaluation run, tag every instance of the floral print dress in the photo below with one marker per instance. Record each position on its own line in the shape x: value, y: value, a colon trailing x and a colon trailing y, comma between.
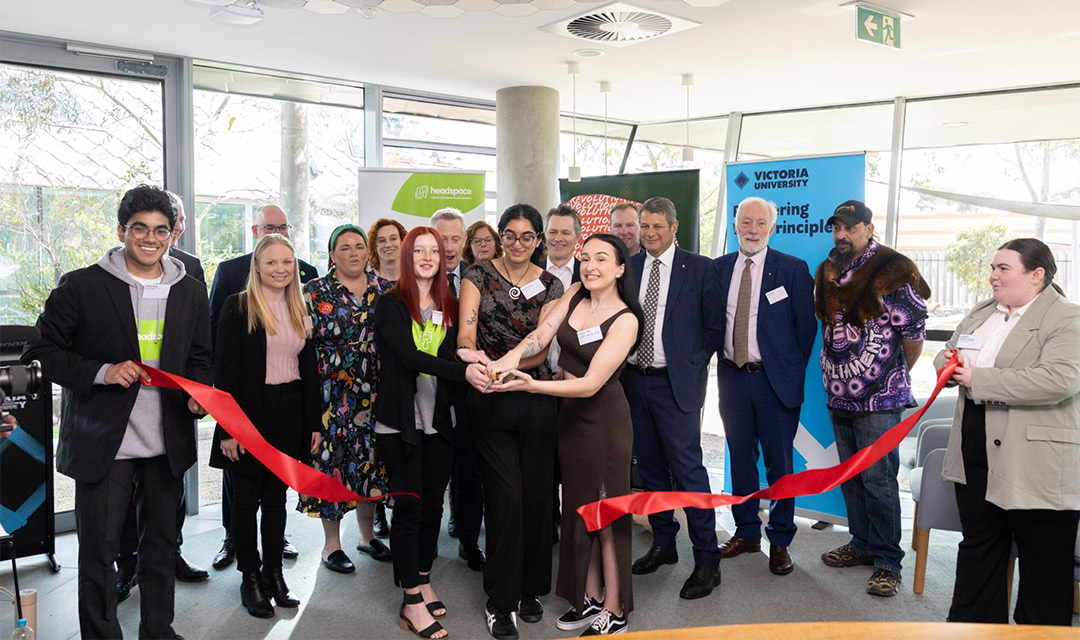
x: 344, y: 333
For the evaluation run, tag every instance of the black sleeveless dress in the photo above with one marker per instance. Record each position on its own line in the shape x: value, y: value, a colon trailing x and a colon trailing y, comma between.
x: 595, y: 440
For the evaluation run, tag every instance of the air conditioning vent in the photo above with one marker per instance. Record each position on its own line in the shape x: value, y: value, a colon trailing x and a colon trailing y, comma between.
x: 619, y: 25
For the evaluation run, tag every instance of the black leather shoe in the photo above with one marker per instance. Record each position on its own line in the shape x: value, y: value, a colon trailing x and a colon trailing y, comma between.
x: 127, y: 576
x: 530, y: 609
x: 381, y: 525
x: 289, y: 551
x: 253, y: 597
x: 187, y: 572
x: 226, y: 556
x: 737, y: 546
x: 339, y: 562
x: 780, y: 561
x: 653, y: 559
x: 473, y: 555
x: 275, y: 587
x: 377, y: 550
x: 700, y: 583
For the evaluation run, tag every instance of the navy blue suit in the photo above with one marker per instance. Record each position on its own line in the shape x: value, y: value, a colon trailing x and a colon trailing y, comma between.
x: 665, y: 406
x: 762, y: 407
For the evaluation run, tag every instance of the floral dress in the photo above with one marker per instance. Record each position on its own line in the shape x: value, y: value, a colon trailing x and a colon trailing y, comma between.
x: 344, y: 333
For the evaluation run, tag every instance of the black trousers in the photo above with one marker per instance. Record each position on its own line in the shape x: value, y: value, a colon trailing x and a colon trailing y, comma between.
x: 466, y: 486
x: 423, y: 470
x: 514, y: 434
x: 129, y: 538
x: 1044, y: 538
x: 100, y: 508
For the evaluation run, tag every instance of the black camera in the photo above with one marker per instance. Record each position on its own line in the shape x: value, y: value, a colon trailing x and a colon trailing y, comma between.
x: 18, y: 381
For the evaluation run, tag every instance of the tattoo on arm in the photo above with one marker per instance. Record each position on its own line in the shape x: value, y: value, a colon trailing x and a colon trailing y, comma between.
x: 530, y: 347
x: 472, y: 318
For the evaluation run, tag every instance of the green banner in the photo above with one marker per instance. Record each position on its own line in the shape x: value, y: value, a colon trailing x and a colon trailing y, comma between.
x: 425, y: 193
x: 594, y: 196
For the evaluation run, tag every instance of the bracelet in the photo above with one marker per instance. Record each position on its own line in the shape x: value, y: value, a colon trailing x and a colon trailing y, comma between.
x: 462, y: 347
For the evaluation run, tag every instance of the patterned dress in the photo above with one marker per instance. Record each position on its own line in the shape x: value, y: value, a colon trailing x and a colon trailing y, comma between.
x: 344, y: 332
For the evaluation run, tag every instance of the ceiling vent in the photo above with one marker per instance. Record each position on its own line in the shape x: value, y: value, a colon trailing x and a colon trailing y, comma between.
x: 619, y: 25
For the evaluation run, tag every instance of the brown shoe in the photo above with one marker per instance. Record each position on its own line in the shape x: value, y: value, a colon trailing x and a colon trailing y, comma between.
x: 736, y: 545
x: 780, y: 560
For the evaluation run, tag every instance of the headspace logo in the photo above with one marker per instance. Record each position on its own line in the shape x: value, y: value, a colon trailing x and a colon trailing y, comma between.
x: 421, y: 192
x: 451, y: 192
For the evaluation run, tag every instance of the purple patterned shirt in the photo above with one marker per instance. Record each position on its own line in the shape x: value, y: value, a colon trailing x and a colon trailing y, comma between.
x: 864, y: 371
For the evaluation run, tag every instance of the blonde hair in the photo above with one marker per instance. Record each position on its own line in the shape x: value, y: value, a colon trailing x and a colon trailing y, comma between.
x: 258, y: 309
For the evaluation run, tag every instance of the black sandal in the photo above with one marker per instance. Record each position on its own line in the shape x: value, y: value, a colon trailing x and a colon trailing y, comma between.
x: 432, y: 607
x: 406, y: 625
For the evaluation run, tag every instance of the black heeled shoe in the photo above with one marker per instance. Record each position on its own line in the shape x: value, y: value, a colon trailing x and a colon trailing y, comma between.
x: 432, y: 607
x: 253, y: 597
x: 380, y: 524
x: 275, y: 587
x: 406, y: 625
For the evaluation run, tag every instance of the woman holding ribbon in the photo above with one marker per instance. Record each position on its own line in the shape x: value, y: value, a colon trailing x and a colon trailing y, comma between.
x: 1014, y: 449
x: 502, y: 301
x: 595, y: 435
x: 266, y: 359
x: 416, y: 334
x: 342, y: 308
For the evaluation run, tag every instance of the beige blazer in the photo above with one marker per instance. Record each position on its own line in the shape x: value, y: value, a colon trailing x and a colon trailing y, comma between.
x: 1032, y: 398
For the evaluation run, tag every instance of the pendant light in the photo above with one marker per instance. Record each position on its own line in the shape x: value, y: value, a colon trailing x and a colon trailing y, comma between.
x: 605, y: 88
x: 688, y: 151
x: 574, y: 69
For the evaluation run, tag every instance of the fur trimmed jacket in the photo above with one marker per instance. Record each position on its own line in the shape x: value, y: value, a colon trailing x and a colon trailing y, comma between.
x: 860, y: 297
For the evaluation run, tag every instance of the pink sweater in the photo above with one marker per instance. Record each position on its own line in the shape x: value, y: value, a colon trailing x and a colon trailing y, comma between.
x: 283, y: 349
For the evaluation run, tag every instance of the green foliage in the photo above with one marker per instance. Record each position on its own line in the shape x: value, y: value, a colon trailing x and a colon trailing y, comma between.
x: 968, y: 257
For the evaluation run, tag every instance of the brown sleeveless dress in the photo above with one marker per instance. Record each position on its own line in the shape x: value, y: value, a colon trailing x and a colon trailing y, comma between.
x: 595, y: 440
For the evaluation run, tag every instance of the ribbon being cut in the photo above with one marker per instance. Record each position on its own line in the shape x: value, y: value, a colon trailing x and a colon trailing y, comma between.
x: 600, y: 514
x: 223, y: 408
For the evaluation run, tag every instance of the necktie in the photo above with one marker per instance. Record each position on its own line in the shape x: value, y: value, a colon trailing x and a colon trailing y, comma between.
x: 451, y: 278
x: 652, y: 293
x: 741, y: 334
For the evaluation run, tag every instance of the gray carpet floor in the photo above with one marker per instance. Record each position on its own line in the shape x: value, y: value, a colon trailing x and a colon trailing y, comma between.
x: 364, y: 604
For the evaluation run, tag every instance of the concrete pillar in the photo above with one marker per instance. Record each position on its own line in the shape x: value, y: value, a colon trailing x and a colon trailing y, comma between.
x: 527, y: 147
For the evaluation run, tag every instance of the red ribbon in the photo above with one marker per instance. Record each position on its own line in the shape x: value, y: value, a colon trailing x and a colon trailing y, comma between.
x: 600, y: 514
x: 223, y: 408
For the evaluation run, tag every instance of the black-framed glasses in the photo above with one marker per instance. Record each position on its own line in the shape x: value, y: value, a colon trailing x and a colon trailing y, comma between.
x: 526, y: 239
x: 279, y: 228
x: 483, y: 241
x: 140, y: 231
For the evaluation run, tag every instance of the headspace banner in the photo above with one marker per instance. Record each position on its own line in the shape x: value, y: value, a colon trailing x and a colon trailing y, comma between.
x: 805, y: 191
x: 593, y: 197
x: 410, y: 196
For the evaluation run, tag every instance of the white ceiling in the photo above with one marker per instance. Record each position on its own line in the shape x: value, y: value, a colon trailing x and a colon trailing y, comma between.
x: 748, y: 55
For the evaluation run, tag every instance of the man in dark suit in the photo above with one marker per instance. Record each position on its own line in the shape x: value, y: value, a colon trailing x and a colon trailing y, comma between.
x: 768, y: 334
x: 192, y: 264
x: 466, y: 487
x: 100, y: 326
x: 231, y: 277
x: 665, y: 386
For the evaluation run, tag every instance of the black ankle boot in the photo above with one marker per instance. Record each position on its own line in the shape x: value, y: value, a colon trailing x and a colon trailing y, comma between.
x: 275, y: 587
x: 253, y: 597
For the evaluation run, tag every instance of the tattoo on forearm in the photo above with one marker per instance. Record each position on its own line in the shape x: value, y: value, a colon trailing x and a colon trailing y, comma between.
x: 530, y: 347
x: 472, y: 318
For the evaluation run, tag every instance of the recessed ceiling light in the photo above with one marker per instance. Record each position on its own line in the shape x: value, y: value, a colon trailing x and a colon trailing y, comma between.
x: 588, y: 53
x: 955, y: 124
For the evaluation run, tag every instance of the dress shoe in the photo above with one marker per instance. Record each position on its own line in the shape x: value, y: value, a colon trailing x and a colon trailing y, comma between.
x: 653, y: 558
x: 473, y: 555
x: 226, y: 556
x: 380, y: 524
x: 700, y: 583
x: 780, y: 560
x: 736, y: 545
x: 339, y: 562
x: 376, y: 550
x: 288, y: 551
x: 187, y: 572
x: 530, y: 609
x: 275, y: 587
x: 253, y: 597
x: 127, y: 576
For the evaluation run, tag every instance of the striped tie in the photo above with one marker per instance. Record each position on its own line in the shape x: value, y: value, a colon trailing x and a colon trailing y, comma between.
x: 652, y: 294
x: 741, y: 335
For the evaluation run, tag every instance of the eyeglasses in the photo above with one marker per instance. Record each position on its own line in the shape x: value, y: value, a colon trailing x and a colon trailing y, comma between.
x: 140, y: 231
x: 525, y: 239
x: 281, y: 228
x: 483, y: 241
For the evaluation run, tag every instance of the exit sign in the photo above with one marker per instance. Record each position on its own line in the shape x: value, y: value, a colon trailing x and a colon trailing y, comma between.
x: 878, y: 27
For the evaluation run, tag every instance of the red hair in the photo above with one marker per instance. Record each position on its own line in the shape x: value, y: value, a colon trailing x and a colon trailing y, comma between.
x: 408, y: 291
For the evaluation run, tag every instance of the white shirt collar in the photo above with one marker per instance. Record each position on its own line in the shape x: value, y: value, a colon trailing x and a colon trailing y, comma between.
x: 667, y: 258
x: 1019, y: 311
x: 758, y: 258
x: 551, y: 266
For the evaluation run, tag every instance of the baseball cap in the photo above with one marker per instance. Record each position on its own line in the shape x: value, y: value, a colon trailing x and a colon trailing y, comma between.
x: 852, y: 213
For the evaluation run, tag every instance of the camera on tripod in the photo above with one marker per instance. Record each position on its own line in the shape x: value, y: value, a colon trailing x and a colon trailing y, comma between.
x: 19, y: 381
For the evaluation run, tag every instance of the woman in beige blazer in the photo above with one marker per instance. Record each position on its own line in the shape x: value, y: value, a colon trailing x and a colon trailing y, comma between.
x: 1014, y: 449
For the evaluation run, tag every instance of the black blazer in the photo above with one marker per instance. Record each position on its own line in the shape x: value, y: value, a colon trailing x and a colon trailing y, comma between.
x: 192, y: 264
x: 240, y: 369
x: 231, y: 277
x: 89, y: 321
x: 399, y: 364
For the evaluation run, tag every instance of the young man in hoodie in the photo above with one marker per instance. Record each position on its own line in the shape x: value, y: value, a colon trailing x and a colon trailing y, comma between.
x: 100, y: 325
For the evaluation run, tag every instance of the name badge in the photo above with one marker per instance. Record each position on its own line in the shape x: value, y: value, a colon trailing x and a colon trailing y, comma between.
x: 776, y: 295
x: 156, y: 291
x: 970, y: 341
x: 592, y: 334
x: 532, y: 288
x: 436, y: 317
